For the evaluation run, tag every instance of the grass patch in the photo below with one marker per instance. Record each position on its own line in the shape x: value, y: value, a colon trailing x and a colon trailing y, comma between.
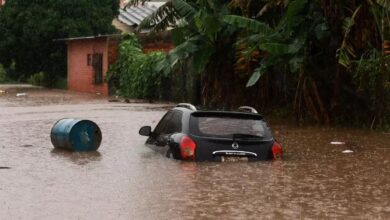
x: 61, y: 83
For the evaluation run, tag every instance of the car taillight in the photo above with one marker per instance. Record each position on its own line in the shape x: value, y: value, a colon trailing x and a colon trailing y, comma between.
x: 187, y: 148
x: 277, y: 151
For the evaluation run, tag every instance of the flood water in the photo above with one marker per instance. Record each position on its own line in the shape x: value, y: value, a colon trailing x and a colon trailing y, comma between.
x: 126, y: 180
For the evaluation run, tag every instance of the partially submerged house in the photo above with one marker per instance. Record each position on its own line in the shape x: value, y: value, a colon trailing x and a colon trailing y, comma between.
x: 88, y: 62
x: 90, y: 57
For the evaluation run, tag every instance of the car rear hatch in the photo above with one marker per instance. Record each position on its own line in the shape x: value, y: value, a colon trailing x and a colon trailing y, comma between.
x: 221, y: 136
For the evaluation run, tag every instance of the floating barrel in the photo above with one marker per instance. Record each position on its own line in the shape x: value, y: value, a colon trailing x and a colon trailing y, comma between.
x: 75, y: 134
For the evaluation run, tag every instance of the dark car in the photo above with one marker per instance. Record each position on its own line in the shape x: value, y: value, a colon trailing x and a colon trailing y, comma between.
x: 185, y: 133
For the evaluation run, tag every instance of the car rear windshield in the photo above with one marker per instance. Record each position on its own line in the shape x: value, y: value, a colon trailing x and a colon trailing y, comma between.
x: 229, y: 126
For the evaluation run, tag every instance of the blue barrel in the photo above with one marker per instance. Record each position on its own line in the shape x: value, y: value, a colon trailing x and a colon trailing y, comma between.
x: 76, y: 134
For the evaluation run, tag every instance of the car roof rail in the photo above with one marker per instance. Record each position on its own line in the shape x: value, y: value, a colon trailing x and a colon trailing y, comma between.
x: 247, y: 109
x: 187, y: 105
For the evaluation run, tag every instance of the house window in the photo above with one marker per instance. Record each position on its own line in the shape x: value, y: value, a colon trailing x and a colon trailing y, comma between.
x: 97, y: 64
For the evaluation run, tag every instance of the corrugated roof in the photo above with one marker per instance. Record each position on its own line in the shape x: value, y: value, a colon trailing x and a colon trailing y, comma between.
x: 89, y: 37
x: 134, y: 15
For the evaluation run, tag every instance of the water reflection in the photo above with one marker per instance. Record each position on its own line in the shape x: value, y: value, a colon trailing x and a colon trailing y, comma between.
x: 79, y: 158
x: 189, y: 167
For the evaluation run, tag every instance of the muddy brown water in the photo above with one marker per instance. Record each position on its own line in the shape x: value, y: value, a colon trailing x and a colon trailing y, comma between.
x: 126, y: 180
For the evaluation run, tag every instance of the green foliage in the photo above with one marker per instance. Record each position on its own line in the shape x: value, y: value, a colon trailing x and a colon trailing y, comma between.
x: 178, y: 54
x: 249, y: 24
x: 308, y: 50
x: 136, y: 73
x: 60, y: 83
x: 38, y: 79
x: 3, y: 74
x: 366, y: 70
x: 383, y: 3
x: 361, y: 53
x: 28, y: 30
x: 184, y: 9
x: 366, y: 76
x: 200, y: 31
x: 45, y: 80
x: 286, y: 45
x: 346, y: 50
x: 259, y: 72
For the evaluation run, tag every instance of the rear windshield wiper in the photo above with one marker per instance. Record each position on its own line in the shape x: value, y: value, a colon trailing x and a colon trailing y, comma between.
x: 246, y: 136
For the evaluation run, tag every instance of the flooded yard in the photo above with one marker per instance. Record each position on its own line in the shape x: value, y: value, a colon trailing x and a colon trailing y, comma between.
x: 126, y: 180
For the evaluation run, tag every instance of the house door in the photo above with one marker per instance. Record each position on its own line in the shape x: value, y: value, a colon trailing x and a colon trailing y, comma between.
x: 98, y: 68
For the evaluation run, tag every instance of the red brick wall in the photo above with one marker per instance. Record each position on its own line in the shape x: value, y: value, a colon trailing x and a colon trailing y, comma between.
x: 80, y: 74
x: 113, y: 51
x: 165, y: 47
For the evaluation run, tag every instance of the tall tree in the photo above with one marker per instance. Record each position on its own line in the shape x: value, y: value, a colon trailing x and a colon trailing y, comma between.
x: 28, y: 30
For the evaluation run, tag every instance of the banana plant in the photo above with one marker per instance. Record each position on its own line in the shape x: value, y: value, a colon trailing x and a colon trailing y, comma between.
x: 380, y: 11
x: 197, y: 28
x: 201, y: 36
x: 370, y: 60
x: 288, y: 45
x: 286, y: 42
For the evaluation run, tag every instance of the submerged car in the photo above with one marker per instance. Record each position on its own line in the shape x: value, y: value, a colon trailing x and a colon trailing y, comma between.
x: 186, y: 133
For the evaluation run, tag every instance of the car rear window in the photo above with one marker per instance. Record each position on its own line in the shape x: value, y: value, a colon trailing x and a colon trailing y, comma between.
x: 228, y: 126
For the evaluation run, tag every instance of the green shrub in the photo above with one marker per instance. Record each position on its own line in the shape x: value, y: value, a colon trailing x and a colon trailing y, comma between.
x: 45, y: 80
x: 61, y: 83
x: 135, y: 72
x: 38, y: 79
x: 3, y: 74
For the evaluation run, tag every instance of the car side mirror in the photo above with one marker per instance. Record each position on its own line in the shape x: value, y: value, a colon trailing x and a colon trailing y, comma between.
x: 145, y: 131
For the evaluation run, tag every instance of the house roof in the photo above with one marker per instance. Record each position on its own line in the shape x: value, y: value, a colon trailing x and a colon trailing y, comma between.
x: 89, y: 37
x: 134, y: 15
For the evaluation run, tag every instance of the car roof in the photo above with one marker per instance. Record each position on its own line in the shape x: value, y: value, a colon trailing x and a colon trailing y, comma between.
x: 236, y: 114
x: 244, y: 111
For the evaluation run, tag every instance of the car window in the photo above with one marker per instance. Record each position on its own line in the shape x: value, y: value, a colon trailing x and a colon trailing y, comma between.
x: 228, y: 126
x: 174, y: 125
x: 170, y: 123
x: 163, y: 123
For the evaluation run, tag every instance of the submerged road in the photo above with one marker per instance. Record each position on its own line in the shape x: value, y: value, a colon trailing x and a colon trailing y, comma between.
x: 126, y: 180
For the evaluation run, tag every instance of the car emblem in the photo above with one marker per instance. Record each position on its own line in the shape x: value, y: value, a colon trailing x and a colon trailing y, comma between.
x: 235, y: 145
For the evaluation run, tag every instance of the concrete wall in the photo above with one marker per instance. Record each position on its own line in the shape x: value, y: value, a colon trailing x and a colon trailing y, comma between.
x: 80, y: 74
